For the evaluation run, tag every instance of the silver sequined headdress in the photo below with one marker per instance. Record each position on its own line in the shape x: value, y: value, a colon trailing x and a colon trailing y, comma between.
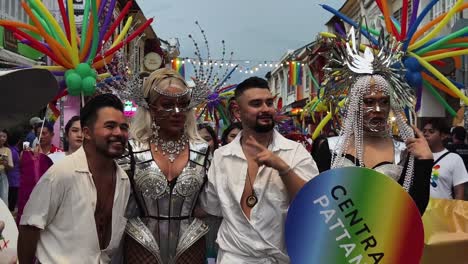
x: 349, y: 73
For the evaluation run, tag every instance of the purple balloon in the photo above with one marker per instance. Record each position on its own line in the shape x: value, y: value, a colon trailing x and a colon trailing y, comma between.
x: 415, y: 12
x: 107, y: 20
x: 101, y: 7
x: 418, y: 97
x: 340, y: 29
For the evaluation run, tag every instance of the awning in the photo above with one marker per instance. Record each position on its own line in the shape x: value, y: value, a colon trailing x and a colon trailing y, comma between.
x: 16, y: 59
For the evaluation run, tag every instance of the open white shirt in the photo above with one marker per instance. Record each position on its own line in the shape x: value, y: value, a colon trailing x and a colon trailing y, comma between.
x: 260, y: 239
x: 62, y: 204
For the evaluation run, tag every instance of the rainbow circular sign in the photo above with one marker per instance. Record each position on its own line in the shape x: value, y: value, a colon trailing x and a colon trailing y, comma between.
x: 353, y: 215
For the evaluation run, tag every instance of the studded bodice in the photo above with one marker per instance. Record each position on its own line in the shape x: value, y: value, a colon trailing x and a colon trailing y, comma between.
x: 166, y: 206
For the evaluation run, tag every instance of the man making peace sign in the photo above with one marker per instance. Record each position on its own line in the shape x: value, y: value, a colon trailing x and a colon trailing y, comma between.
x: 252, y: 180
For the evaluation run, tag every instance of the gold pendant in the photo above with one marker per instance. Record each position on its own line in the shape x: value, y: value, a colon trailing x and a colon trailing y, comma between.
x: 251, y: 200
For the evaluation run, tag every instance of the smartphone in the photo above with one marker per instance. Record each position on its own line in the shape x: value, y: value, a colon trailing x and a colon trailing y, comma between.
x: 26, y: 145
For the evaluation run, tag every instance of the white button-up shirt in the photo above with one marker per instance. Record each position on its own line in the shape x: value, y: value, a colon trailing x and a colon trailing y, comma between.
x: 63, y: 203
x: 260, y: 239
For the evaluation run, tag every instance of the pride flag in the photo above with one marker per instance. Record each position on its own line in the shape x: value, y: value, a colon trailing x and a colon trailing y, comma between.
x: 179, y: 66
x: 295, y: 73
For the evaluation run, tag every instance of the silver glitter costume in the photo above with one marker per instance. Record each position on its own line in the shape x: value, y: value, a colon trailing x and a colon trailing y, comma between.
x: 164, y: 224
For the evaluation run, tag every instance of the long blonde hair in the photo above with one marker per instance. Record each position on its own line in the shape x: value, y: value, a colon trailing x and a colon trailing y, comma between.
x: 140, y: 128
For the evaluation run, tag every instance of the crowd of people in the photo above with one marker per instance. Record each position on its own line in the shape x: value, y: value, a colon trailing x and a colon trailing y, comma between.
x: 164, y: 189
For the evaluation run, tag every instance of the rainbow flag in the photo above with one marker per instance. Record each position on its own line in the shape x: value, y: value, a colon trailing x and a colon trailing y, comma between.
x: 295, y: 73
x: 179, y: 66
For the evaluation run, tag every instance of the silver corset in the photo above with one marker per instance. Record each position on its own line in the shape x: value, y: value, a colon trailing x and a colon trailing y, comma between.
x: 166, y: 227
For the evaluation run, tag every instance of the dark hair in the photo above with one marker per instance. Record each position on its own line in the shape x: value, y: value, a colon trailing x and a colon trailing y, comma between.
x: 7, y: 134
x: 459, y: 133
x: 211, y: 132
x: 439, y: 124
x: 47, y: 125
x: 66, y: 144
x: 88, y: 114
x: 252, y: 82
x: 228, y: 130
x: 13, y: 138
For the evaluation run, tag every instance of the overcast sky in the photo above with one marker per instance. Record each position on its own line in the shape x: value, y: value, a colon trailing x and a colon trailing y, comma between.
x: 256, y: 30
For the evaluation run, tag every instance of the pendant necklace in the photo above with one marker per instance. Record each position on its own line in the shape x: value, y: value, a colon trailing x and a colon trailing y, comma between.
x: 252, y: 199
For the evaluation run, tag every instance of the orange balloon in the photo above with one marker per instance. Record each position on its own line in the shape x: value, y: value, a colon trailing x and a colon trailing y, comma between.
x: 423, y: 29
x: 458, y: 40
x: 89, y: 37
x: 458, y: 62
x: 439, y: 51
x: 101, y: 63
x: 438, y: 84
x: 19, y: 25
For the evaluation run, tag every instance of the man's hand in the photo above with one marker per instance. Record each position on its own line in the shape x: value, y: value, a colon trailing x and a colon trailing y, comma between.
x: 418, y: 146
x: 265, y: 156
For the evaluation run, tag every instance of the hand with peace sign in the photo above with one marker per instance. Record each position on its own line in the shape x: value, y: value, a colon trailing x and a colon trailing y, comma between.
x: 266, y: 157
x: 418, y: 145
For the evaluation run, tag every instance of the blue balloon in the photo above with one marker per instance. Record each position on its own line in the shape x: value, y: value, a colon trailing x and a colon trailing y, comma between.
x: 414, y: 79
x: 412, y: 64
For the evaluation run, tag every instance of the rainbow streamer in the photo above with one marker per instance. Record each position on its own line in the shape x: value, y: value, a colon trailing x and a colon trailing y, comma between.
x: 179, y: 66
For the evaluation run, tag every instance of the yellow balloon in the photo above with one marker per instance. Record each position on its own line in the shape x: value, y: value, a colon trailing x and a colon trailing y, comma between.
x: 51, y: 68
x: 321, y: 125
x: 104, y: 75
x: 328, y: 34
x: 123, y: 33
x: 438, y: 28
x: 54, y: 24
x: 446, y: 55
x: 74, y: 45
x: 440, y: 76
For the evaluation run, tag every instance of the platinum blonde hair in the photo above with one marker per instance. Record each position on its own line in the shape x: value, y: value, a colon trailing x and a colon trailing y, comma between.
x: 140, y: 128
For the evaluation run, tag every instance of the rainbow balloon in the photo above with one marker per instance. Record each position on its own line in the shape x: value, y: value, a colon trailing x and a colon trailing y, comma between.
x: 354, y: 215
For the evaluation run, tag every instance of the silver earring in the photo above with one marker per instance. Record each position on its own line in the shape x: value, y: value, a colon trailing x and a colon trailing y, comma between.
x: 155, y: 135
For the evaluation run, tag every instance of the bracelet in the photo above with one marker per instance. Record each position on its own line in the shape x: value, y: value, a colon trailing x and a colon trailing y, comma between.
x: 286, y: 171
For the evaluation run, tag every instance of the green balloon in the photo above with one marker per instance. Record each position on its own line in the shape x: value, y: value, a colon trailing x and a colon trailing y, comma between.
x: 73, y: 82
x: 89, y: 86
x: 68, y: 73
x: 83, y: 69
x: 93, y: 74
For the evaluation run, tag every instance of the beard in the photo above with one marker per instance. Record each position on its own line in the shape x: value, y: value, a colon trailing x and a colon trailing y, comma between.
x: 106, y: 149
x: 261, y: 128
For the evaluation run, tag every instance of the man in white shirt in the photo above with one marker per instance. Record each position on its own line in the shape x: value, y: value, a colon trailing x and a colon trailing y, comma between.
x: 448, y: 173
x: 75, y: 212
x: 252, y: 180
